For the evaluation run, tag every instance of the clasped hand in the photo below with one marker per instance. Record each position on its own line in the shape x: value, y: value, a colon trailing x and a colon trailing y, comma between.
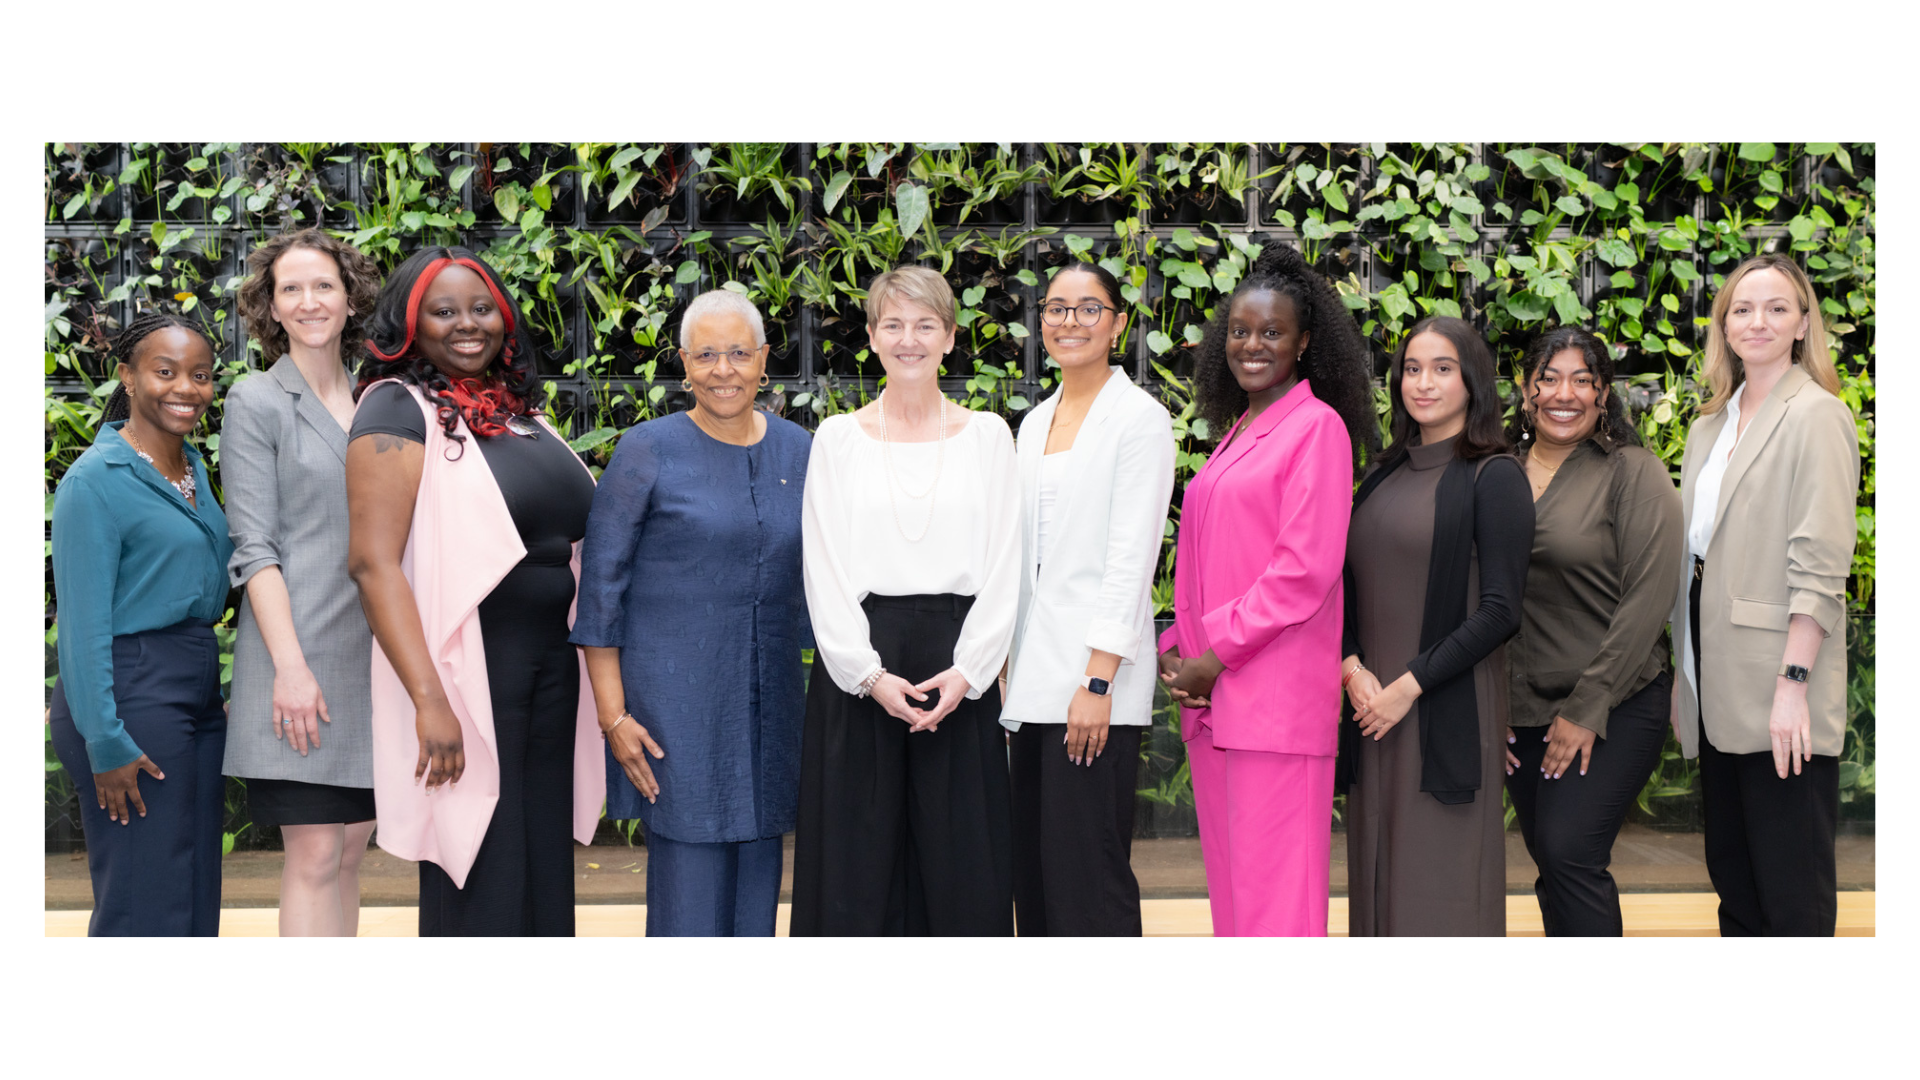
x: 892, y: 692
x: 1190, y: 679
x: 1377, y: 709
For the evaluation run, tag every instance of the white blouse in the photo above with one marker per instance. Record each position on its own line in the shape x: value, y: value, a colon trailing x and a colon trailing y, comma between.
x: 857, y: 521
x: 1052, y: 468
x: 1706, y: 503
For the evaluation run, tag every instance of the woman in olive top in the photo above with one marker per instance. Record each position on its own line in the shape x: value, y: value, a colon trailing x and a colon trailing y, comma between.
x: 140, y: 573
x: 1589, y: 684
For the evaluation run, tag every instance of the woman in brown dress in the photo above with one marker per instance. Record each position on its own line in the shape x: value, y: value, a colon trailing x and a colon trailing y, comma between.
x: 1436, y: 562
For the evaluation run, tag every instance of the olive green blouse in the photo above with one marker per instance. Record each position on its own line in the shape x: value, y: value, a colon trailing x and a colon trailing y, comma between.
x: 1607, y: 542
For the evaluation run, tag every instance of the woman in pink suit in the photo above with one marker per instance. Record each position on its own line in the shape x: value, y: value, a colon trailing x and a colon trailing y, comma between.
x: 1254, y: 652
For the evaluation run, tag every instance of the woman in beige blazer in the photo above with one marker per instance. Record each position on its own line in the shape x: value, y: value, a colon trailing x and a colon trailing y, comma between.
x: 1768, y: 485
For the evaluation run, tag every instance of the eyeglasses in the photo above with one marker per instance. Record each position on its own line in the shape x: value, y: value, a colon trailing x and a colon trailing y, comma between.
x: 1084, y: 314
x: 709, y: 357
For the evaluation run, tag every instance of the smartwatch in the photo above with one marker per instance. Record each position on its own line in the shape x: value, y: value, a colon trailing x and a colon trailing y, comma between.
x: 1794, y: 671
x: 1100, y: 687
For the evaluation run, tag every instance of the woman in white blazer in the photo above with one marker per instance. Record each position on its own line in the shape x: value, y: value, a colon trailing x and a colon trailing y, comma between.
x: 1096, y: 474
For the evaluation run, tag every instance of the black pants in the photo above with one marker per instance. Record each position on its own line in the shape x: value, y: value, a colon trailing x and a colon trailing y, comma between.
x: 1770, y: 842
x: 1073, y: 835
x: 902, y: 833
x: 157, y: 875
x: 1570, y: 824
x: 521, y: 884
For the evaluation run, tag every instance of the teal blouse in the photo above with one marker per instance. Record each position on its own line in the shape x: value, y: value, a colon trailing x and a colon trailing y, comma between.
x: 130, y: 554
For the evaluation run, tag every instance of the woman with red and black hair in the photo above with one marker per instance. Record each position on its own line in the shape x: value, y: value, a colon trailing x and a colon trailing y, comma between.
x: 467, y: 565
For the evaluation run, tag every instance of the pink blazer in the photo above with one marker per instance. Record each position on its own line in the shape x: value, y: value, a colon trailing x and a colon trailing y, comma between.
x: 1263, y: 537
x: 461, y: 544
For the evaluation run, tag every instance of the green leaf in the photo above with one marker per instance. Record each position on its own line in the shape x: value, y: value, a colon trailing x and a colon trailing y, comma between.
x: 1527, y: 307
x: 1567, y: 306
x: 413, y: 220
x: 596, y: 437
x: 687, y: 273
x: 1652, y: 344
x: 836, y: 187
x: 1183, y: 239
x: 506, y: 199
x: 620, y: 191
x: 1615, y: 252
x: 542, y: 196
x: 1158, y: 342
x: 1569, y: 204
x: 624, y: 158
x: 1801, y: 227
x: 972, y: 297
x: 1756, y: 151
x: 1026, y: 277
x: 910, y: 206
x: 1334, y: 196
x: 1770, y: 180
x: 1671, y: 303
x: 1194, y: 334
x: 73, y: 205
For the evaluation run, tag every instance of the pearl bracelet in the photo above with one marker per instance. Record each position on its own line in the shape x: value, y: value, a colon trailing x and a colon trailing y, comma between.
x: 867, y: 684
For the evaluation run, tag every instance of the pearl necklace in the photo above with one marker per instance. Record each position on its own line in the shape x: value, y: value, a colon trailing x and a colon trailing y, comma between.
x: 184, y: 485
x: 939, y: 463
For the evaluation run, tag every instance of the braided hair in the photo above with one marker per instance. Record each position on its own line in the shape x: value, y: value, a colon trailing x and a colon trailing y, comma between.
x: 508, y: 385
x: 1336, y: 362
x: 119, y: 404
x: 1613, y: 428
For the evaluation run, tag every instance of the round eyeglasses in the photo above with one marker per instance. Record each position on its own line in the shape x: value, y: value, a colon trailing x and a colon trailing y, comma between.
x: 1084, y: 314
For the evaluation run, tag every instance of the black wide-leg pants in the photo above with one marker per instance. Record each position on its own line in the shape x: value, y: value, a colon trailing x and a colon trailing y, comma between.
x: 1570, y: 824
x: 158, y: 875
x: 521, y: 883
x: 1073, y: 834
x: 903, y: 833
x: 1770, y: 841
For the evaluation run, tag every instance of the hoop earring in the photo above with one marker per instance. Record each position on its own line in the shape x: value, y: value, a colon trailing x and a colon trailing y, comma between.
x: 765, y: 378
x: 687, y: 385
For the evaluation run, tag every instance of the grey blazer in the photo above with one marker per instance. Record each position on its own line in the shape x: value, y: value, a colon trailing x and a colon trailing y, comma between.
x: 283, y: 460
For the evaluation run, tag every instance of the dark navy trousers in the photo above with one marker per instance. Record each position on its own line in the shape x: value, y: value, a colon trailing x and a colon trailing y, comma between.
x: 712, y: 890
x: 159, y: 875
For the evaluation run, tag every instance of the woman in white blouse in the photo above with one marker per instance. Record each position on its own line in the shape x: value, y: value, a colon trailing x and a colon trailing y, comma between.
x: 911, y: 555
x: 1096, y: 475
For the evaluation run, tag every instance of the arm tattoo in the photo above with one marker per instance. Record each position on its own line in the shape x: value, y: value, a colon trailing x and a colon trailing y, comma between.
x: 382, y: 442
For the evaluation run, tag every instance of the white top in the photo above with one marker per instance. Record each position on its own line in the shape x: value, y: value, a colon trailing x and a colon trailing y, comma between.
x: 967, y: 522
x: 1052, y: 467
x: 1706, y: 502
x: 1094, y: 588
x: 1706, y: 486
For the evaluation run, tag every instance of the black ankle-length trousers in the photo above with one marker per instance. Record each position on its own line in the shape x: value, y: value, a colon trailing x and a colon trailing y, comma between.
x: 1073, y: 834
x: 521, y: 883
x: 903, y: 833
x: 1570, y: 824
x: 1770, y: 842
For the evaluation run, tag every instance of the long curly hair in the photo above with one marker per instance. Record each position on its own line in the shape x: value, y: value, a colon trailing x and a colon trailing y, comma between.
x: 359, y: 275
x: 1336, y: 363
x: 507, y: 386
x: 1613, y: 427
x: 119, y: 405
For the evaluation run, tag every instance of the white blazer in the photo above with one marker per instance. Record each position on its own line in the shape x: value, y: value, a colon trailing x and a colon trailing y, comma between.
x: 1095, y: 590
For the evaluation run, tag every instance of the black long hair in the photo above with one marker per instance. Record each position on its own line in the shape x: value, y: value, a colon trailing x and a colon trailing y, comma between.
x: 392, y: 353
x: 119, y: 405
x: 1336, y: 362
x: 1484, y: 433
x: 1613, y: 428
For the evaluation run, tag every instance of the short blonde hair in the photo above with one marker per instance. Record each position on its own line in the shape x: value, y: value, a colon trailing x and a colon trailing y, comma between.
x: 915, y: 285
x: 1723, y: 370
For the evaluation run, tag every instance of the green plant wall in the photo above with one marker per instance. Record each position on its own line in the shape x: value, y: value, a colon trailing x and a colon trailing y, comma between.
x: 605, y: 243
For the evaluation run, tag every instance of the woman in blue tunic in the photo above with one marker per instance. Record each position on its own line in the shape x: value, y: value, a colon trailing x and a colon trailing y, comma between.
x: 693, y: 614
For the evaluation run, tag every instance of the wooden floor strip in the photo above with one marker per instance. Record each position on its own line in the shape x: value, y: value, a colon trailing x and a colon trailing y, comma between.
x: 1646, y: 914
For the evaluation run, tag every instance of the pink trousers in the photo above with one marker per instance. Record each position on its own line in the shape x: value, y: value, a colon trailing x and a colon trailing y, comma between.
x: 1266, y: 835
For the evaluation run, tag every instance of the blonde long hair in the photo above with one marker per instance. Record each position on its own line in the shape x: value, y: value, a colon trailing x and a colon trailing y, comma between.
x: 1723, y: 369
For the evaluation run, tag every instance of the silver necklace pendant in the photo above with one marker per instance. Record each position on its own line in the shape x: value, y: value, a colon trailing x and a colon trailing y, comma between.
x: 520, y: 425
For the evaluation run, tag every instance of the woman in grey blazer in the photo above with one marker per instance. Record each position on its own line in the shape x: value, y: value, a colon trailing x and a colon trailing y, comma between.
x: 302, y: 652
x: 1767, y: 486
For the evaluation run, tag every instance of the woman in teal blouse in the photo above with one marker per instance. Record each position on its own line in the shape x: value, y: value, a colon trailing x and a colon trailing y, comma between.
x: 140, y: 554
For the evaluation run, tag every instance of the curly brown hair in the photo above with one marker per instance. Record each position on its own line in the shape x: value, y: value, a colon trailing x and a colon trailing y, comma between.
x: 358, y: 274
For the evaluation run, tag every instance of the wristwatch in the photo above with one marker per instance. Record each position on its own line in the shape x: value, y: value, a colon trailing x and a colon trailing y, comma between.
x: 1794, y: 671
x: 1099, y: 687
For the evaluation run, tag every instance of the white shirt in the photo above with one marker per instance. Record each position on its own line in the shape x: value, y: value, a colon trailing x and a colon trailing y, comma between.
x: 1052, y: 467
x: 1706, y: 503
x: 856, y: 522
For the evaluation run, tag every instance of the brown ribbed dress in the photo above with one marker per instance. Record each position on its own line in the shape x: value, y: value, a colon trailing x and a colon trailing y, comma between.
x: 1416, y: 866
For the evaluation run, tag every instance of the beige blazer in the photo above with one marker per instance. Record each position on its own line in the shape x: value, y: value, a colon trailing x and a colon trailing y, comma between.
x: 1782, y: 545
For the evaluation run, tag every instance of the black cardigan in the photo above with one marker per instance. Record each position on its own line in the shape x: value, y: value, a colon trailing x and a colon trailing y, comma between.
x: 1482, y: 505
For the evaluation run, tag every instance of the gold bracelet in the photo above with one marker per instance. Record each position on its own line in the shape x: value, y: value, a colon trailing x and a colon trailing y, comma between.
x: 1358, y: 667
x: 617, y: 721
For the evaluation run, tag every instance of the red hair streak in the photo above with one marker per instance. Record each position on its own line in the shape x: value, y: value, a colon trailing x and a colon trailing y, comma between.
x: 427, y: 274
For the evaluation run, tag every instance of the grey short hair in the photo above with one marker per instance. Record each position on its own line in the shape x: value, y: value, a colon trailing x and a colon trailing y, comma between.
x: 719, y: 301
